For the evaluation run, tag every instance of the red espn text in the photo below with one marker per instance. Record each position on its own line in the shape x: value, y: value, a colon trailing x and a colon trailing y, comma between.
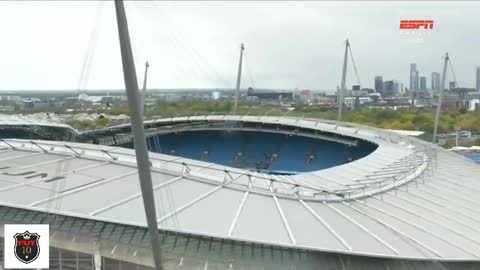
x: 416, y: 24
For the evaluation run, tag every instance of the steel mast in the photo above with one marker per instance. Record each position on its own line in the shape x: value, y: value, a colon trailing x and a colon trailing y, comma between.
x: 239, y: 78
x: 144, y: 90
x: 141, y: 152
x: 440, y: 97
x: 341, y: 91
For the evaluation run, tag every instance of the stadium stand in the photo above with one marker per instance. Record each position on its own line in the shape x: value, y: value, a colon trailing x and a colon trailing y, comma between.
x: 268, y: 152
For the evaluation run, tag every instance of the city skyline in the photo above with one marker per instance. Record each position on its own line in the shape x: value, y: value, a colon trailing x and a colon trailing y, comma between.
x: 195, y: 45
x: 419, y: 81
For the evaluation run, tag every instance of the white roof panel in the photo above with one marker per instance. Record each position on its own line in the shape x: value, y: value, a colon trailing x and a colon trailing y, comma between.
x: 400, y: 201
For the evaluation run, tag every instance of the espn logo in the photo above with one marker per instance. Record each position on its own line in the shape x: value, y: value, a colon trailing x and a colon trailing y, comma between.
x: 416, y: 24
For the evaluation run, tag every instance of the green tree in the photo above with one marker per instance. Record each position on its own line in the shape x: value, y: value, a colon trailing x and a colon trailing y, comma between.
x: 103, y: 122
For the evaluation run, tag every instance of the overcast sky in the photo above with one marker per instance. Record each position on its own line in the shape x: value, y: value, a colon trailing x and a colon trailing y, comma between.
x: 196, y: 44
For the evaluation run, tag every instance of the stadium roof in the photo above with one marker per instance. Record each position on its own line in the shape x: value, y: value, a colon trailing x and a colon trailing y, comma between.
x: 414, y: 133
x: 404, y: 200
x: 25, y: 120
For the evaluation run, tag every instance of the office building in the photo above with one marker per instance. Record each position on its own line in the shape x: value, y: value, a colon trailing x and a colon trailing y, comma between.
x: 379, y: 84
x: 390, y: 88
x: 423, y: 83
x: 477, y: 85
x: 413, y: 77
x: 436, y: 82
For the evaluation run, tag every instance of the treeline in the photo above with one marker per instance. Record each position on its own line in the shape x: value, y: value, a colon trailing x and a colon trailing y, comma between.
x: 89, y: 124
x: 416, y: 120
x: 419, y: 119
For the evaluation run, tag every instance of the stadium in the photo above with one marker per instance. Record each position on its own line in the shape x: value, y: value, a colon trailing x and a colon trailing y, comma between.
x: 246, y: 192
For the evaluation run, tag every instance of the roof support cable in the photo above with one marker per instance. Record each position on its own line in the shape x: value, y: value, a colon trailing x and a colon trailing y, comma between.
x: 157, y: 144
x: 7, y: 143
x: 249, y: 71
x: 239, y: 79
x: 453, y: 72
x: 37, y: 145
x: 440, y: 98
x: 73, y: 150
x: 53, y: 205
x: 62, y: 185
x: 186, y: 169
x: 201, y: 67
x: 341, y: 91
x: 354, y: 66
x: 149, y: 144
x: 88, y: 58
x: 225, y: 178
x: 108, y: 154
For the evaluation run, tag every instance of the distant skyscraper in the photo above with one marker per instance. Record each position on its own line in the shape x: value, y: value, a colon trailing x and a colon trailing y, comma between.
x: 436, y: 81
x: 396, y: 88
x: 423, y: 83
x: 478, y: 79
x: 390, y: 88
x: 413, y: 77
x: 379, y: 84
